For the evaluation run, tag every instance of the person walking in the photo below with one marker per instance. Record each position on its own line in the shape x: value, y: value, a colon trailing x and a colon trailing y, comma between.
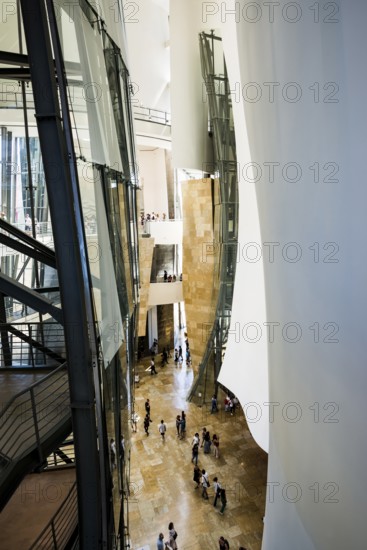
x: 207, y: 443
x: 223, y: 543
x: 217, y: 490
x: 223, y: 499
x: 172, y: 536
x: 195, y: 439
x: 152, y: 367
x: 147, y: 407
x: 205, y: 484
x: 162, y: 429
x: 160, y: 542
x: 197, y: 476
x: 134, y: 422
x: 214, y: 407
x: 215, y: 442
x: 195, y: 453
x: 203, y: 437
x: 183, y: 425
x: 147, y: 421
x: 164, y: 357
x: 178, y: 424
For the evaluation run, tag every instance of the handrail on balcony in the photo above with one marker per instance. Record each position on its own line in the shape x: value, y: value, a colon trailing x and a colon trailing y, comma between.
x: 32, y: 386
x: 30, y: 416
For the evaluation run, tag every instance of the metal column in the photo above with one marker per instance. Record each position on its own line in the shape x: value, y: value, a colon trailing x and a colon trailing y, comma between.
x: 71, y: 257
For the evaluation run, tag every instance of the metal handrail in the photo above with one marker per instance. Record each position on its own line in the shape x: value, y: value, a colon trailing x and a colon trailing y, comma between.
x: 56, y: 460
x: 152, y: 115
x: 32, y: 344
x: 31, y: 413
x: 62, y: 525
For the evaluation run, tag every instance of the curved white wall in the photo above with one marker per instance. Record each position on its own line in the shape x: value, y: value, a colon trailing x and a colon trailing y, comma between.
x: 317, y: 445
x: 191, y: 147
x: 146, y: 25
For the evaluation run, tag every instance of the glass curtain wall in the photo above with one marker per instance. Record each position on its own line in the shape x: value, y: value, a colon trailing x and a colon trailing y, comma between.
x: 98, y: 87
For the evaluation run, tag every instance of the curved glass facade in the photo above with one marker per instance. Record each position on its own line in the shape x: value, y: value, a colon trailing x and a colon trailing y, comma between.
x: 67, y: 202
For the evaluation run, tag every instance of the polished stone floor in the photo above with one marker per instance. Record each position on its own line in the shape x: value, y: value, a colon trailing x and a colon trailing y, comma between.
x: 162, y: 486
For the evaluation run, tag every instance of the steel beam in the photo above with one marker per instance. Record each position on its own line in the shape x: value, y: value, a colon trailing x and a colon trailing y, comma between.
x: 31, y: 298
x: 34, y: 343
x: 5, y: 344
x: 22, y: 236
x: 11, y: 58
x: 48, y: 259
x: 66, y: 218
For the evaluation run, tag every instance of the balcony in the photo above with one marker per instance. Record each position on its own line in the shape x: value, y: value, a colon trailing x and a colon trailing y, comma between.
x: 164, y: 232
x: 165, y: 293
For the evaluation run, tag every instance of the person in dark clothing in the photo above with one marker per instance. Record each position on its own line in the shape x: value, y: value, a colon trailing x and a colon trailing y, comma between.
x: 207, y: 442
x: 223, y: 544
x: 197, y: 476
x: 214, y: 408
x: 178, y: 424
x: 217, y: 490
x: 147, y: 407
x: 183, y: 425
x: 152, y: 367
x: 195, y: 453
x: 147, y: 421
x: 164, y: 357
x: 223, y: 499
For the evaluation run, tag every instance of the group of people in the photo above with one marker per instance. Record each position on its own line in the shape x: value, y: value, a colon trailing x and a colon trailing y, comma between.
x: 145, y: 220
x: 170, y: 278
x: 200, y: 475
x: 230, y: 404
x: 206, y: 442
x: 171, y: 540
x: 201, y: 478
x: 178, y: 359
x: 181, y: 425
x: 153, y: 217
x: 224, y: 544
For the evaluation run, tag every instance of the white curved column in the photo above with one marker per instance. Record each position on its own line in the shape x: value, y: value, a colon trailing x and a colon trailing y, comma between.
x: 314, y: 129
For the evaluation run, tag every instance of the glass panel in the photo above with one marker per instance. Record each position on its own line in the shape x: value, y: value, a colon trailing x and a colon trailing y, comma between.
x: 88, y: 87
x: 101, y: 262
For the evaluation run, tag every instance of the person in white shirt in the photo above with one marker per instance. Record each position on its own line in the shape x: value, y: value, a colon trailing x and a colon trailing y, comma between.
x: 217, y: 489
x: 195, y: 440
x: 205, y: 484
x: 162, y: 429
x: 134, y: 422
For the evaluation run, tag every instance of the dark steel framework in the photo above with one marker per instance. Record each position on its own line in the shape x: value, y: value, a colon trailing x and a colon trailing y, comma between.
x: 70, y: 300
x: 225, y: 213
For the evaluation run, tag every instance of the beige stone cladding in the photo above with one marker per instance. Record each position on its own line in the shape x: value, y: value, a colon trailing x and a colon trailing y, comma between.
x: 146, y: 246
x: 199, y: 261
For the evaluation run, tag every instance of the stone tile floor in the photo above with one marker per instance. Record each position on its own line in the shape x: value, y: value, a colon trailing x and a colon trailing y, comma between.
x: 162, y: 488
